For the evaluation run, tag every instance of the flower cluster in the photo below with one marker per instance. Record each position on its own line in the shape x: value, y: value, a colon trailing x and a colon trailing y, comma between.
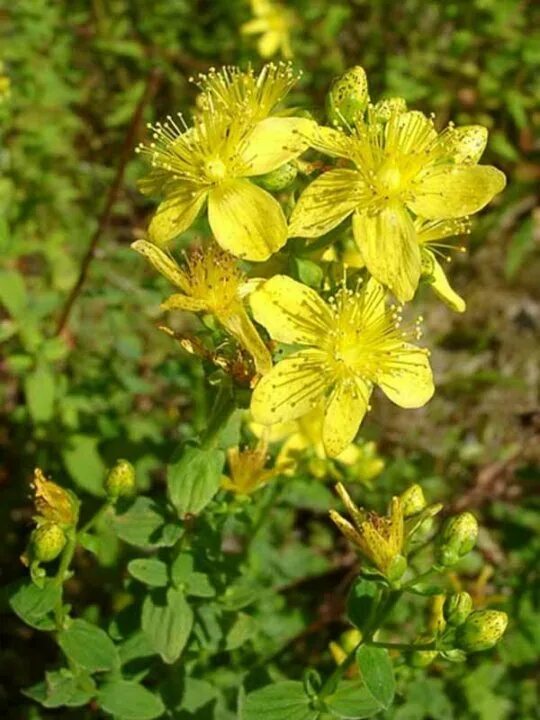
x: 319, y: 346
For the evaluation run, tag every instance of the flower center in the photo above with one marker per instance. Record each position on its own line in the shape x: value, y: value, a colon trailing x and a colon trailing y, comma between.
x: 390, y: 180
x: 215, y: 169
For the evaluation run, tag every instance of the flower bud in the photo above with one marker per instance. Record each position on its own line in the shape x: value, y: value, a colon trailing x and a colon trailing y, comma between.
x: 413, y: 500
x: 384, y: 109
x: 422, y: 658
x: 47, y: 542
x: 278, y: 179
x: 482, y: 630
x: 457, y: 538
x: 457, y: 608
x: 348, y: 97
x: 120, y: 481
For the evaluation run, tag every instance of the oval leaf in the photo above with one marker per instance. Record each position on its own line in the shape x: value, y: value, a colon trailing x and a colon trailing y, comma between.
x: 88, y: 646
x: 284, y: 700
x: 149, y: 571
x: 194, y: 479
x: 167, y: 620
x: 129, y: 701
x: 377, y: 673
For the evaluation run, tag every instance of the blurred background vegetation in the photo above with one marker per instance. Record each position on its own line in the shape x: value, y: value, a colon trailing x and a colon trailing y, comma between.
x: 78, y: 79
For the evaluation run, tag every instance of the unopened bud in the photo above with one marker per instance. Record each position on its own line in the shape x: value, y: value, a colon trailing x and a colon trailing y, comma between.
x: 396, y: 568
x: 422, y: 658
x: 278, y: 179
x: 120, y: 481
x: 457, y: 608
x: 384, y: 109
x: 47, y: 542
x: 413, y: 500
x: 457, y: 538
x: 348, y: 97
x: 482, y: 630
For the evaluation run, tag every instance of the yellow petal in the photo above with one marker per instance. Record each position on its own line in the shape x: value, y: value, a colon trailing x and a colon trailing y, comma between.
x: 274, y: 142
x: 162, y: 262
x: 183, y: 302
x: 409, y: 132
x: 176, y: 214
x: 252, y: 27
x: 246, y: 220
x: 326, y: 202
x: 396, y: 526
x: 439, y: 282
x: 454, y: 191
x: 467, y: 143
x: 240, y: 327
x: 409, y: 381
x: 388, y: 245
x: 291, y: 389
x: 331, y: 142
x: 344, y: 413
x: 291, y: 312
x: 268, y: 44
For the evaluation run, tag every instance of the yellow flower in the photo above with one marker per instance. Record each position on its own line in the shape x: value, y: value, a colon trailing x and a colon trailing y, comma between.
x: 53, y: 503
x: 402, y: 168
x: 212, y: 162
x: 211, y: 283
x: 247, y: 472
x: 273, y: 23
x: 350, y: 345
x: 379, y: 539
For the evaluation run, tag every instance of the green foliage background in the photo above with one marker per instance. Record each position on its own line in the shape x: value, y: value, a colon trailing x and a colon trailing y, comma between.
x: 114, y: 386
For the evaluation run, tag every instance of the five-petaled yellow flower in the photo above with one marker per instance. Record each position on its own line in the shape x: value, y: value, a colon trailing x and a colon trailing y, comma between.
x: 402, y: 169
x: 350, y: 345
x: 213, y: 161
x: 379, y: 539
x: 211, y: 283
x: 273, y: 23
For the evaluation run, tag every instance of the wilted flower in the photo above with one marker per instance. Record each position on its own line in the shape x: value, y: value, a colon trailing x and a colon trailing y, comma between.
x: 379, y: 539
x: 273, y: 22
x: 211, y: 282
x: 247, y: 472
x: 350, y: 345
x: 402, y: 169
x: 53, y: 504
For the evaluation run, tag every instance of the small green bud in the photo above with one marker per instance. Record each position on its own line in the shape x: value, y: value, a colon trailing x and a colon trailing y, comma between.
x: 47, y: 542
x: 458, y: 538
x: 348, y: 97
x: 397, y: 567
x: 384, y: 109
x: 457, y: 608
x: 482, y: 630
x: 454, y: 655
x: 120, y: 481
x: 413, y: 500
x: 422, y: 658
x: 278, y: 179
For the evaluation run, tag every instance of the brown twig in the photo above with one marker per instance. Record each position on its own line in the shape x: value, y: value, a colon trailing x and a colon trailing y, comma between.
x: 154, y: 78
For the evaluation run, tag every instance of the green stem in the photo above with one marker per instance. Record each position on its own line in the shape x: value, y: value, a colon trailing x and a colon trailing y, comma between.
x: 94, y: 519
x: 417, y: 579
x: 331, y: 682
x: 65, y: 562
x: 401, y: 646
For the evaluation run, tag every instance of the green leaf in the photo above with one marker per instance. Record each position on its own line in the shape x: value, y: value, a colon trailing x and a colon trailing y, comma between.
x: 198, y: 585
x: 63, y: 688
x: 129, y: 701
x: 352, y: 700
x: 33, y: 604
x: 149, y: 571
x: 360, y: 602
x: 167, y: 620
x: 39, y: 388
x: 377, y: 673
x: 242, y: 630
x: 84, y: 463
x: 88, y: 646
x: 182, y: 568
x: 13, y: 293
x: 144, y: 524
x: 194, y: 479
x: 281, y: 701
